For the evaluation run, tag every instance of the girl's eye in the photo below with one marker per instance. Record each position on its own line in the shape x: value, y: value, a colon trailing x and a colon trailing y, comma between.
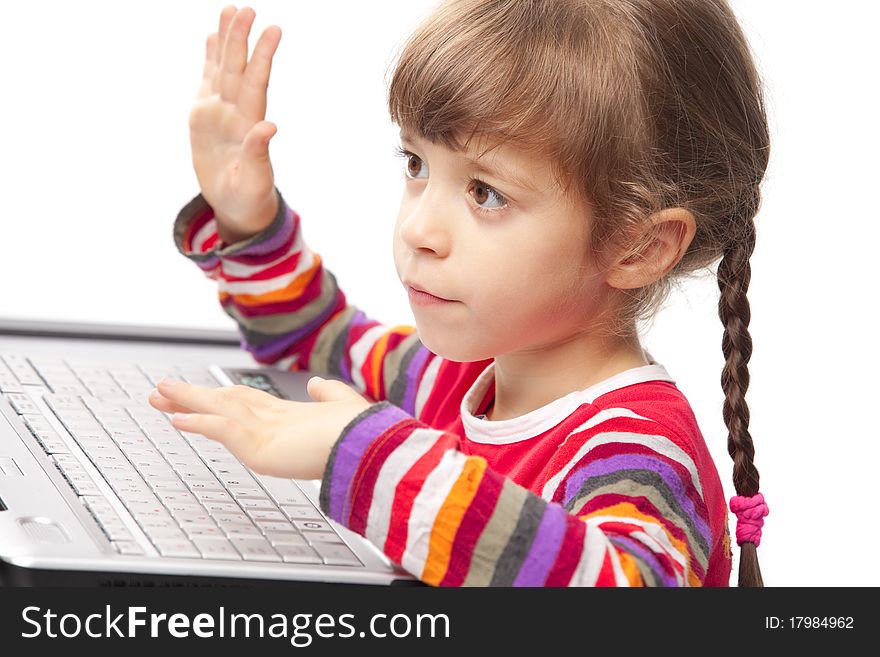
x: 413, y: 163
x: 481, y: 192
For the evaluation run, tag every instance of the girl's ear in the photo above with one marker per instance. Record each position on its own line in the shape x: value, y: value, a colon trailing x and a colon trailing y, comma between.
x: 667, y: 235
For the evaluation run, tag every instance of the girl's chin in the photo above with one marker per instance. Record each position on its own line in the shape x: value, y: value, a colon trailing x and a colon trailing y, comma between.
x: 451, y: 347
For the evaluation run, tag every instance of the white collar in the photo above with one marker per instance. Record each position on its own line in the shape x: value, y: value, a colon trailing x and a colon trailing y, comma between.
x: 534, y: 423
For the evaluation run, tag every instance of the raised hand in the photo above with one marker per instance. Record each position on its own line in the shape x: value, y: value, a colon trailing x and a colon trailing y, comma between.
x: 228, y: 131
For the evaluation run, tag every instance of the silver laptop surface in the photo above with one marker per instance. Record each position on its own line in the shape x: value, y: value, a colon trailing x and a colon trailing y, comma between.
x: 95, y: 481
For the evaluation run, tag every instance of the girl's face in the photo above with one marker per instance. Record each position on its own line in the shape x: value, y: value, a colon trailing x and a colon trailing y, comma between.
x: 497, y: 239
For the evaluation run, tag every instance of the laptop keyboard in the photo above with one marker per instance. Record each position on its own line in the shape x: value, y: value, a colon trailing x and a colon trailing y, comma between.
x: 188, y: 494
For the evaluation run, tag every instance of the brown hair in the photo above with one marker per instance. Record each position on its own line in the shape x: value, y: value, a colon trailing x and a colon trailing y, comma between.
x: 640, y: 105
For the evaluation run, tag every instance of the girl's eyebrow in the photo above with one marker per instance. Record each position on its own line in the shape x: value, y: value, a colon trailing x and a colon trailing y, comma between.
x: 498, y: 171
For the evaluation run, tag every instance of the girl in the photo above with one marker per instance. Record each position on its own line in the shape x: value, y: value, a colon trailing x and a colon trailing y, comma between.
x: 566, y: 161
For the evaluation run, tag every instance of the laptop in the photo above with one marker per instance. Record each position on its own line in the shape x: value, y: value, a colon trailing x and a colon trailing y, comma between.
x: 98, y: 488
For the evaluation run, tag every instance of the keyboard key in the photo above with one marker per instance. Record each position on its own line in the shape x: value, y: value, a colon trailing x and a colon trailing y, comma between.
x: 203, y: 531
x: 255, y: 549
x: 233, y: 518
x: 240, y: 480
x: 97, y: 405
x: 10, y: 384
x: 107, y: 392
x: 214, y: 548
x: 212, y: 496
x: 322, y: 537
x: 239, y: 492
x: 83, y: 485
x: 194, y: 519
x: 285, y: 539
x: 170, y: 533
x: 312, y: 526
x: 69, y: 389
x: 302, y: 512
x: 336, y: 555
x: 128, y: 548
x: 156, y: 472
x: 268, y: 526
x: 60, y: 402
x: 261, y: 514
x: 123, y: 374
x: 229, y: 477
x: 37, y: 423
x: 172, y: 548
x: 241, y: 530
x: 193, y: 472
x: 142, y: 498
x: 183, y: 508
x: 205, y: 486
x: 255, y: 503
x: 200, y: 378
x: 21, y: 403
x: 22, y: 369
x: 298, y: 554
x: 52, y: 445
x: 169, y: 497
x: 117, y: 532
x: 127, y: 488
x: 284, y: 491
x: 163, y: 485
x: 146, y: 508
x: 8, y: 381
x: 149, y: 521
x: 221, y: 507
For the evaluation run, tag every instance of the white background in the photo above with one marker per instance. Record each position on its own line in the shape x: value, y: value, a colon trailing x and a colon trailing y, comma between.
x: 96, y: 164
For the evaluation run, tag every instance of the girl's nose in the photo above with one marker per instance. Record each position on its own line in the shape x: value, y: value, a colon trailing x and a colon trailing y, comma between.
x: 425, y: 226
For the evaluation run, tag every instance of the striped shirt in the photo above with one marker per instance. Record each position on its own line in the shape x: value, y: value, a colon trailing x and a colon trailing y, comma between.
x: 608, y: 486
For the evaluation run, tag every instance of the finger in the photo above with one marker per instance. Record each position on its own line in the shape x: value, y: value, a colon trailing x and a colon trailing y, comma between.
x: 322, y: 390
x: 256, y: 142
x: 212, y: 54
x: 238, y: 399
x: 162, y: 403
x: 251, y: 396
x: 255, y: 83
x: 225, y: 20
x: 233, y: 58
x: 199, y: 399
x: 216, y: 427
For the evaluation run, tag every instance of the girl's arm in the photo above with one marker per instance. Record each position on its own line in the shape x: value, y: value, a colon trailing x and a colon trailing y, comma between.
x: 637, y: 519
x: 291, y: 313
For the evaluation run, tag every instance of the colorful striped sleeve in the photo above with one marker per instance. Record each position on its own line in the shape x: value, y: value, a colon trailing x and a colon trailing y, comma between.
x: 628, y: 514
x: 291, y: 313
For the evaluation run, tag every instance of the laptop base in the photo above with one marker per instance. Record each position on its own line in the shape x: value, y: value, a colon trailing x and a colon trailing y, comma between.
x: 11, y: 575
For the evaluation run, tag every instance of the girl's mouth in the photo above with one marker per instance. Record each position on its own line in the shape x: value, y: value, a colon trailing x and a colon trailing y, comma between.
x: 422, y: 298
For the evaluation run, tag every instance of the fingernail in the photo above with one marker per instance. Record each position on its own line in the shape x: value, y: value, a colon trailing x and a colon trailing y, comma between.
x: 167, y: 380
x: 180, y: 418
x: 154, y: 393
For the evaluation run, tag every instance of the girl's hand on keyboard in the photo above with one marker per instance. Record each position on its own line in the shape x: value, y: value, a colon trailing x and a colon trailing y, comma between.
x: 269, y: 435
x: 228, y: 131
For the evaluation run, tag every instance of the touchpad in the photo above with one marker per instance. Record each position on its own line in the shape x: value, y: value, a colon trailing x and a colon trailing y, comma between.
x: 283, y: 384
x: 43, y: 530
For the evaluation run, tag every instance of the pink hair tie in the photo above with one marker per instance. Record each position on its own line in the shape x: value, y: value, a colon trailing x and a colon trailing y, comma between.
x: 750, y: 512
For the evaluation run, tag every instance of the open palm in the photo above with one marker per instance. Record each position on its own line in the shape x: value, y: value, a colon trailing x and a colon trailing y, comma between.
x: 228, y: 130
